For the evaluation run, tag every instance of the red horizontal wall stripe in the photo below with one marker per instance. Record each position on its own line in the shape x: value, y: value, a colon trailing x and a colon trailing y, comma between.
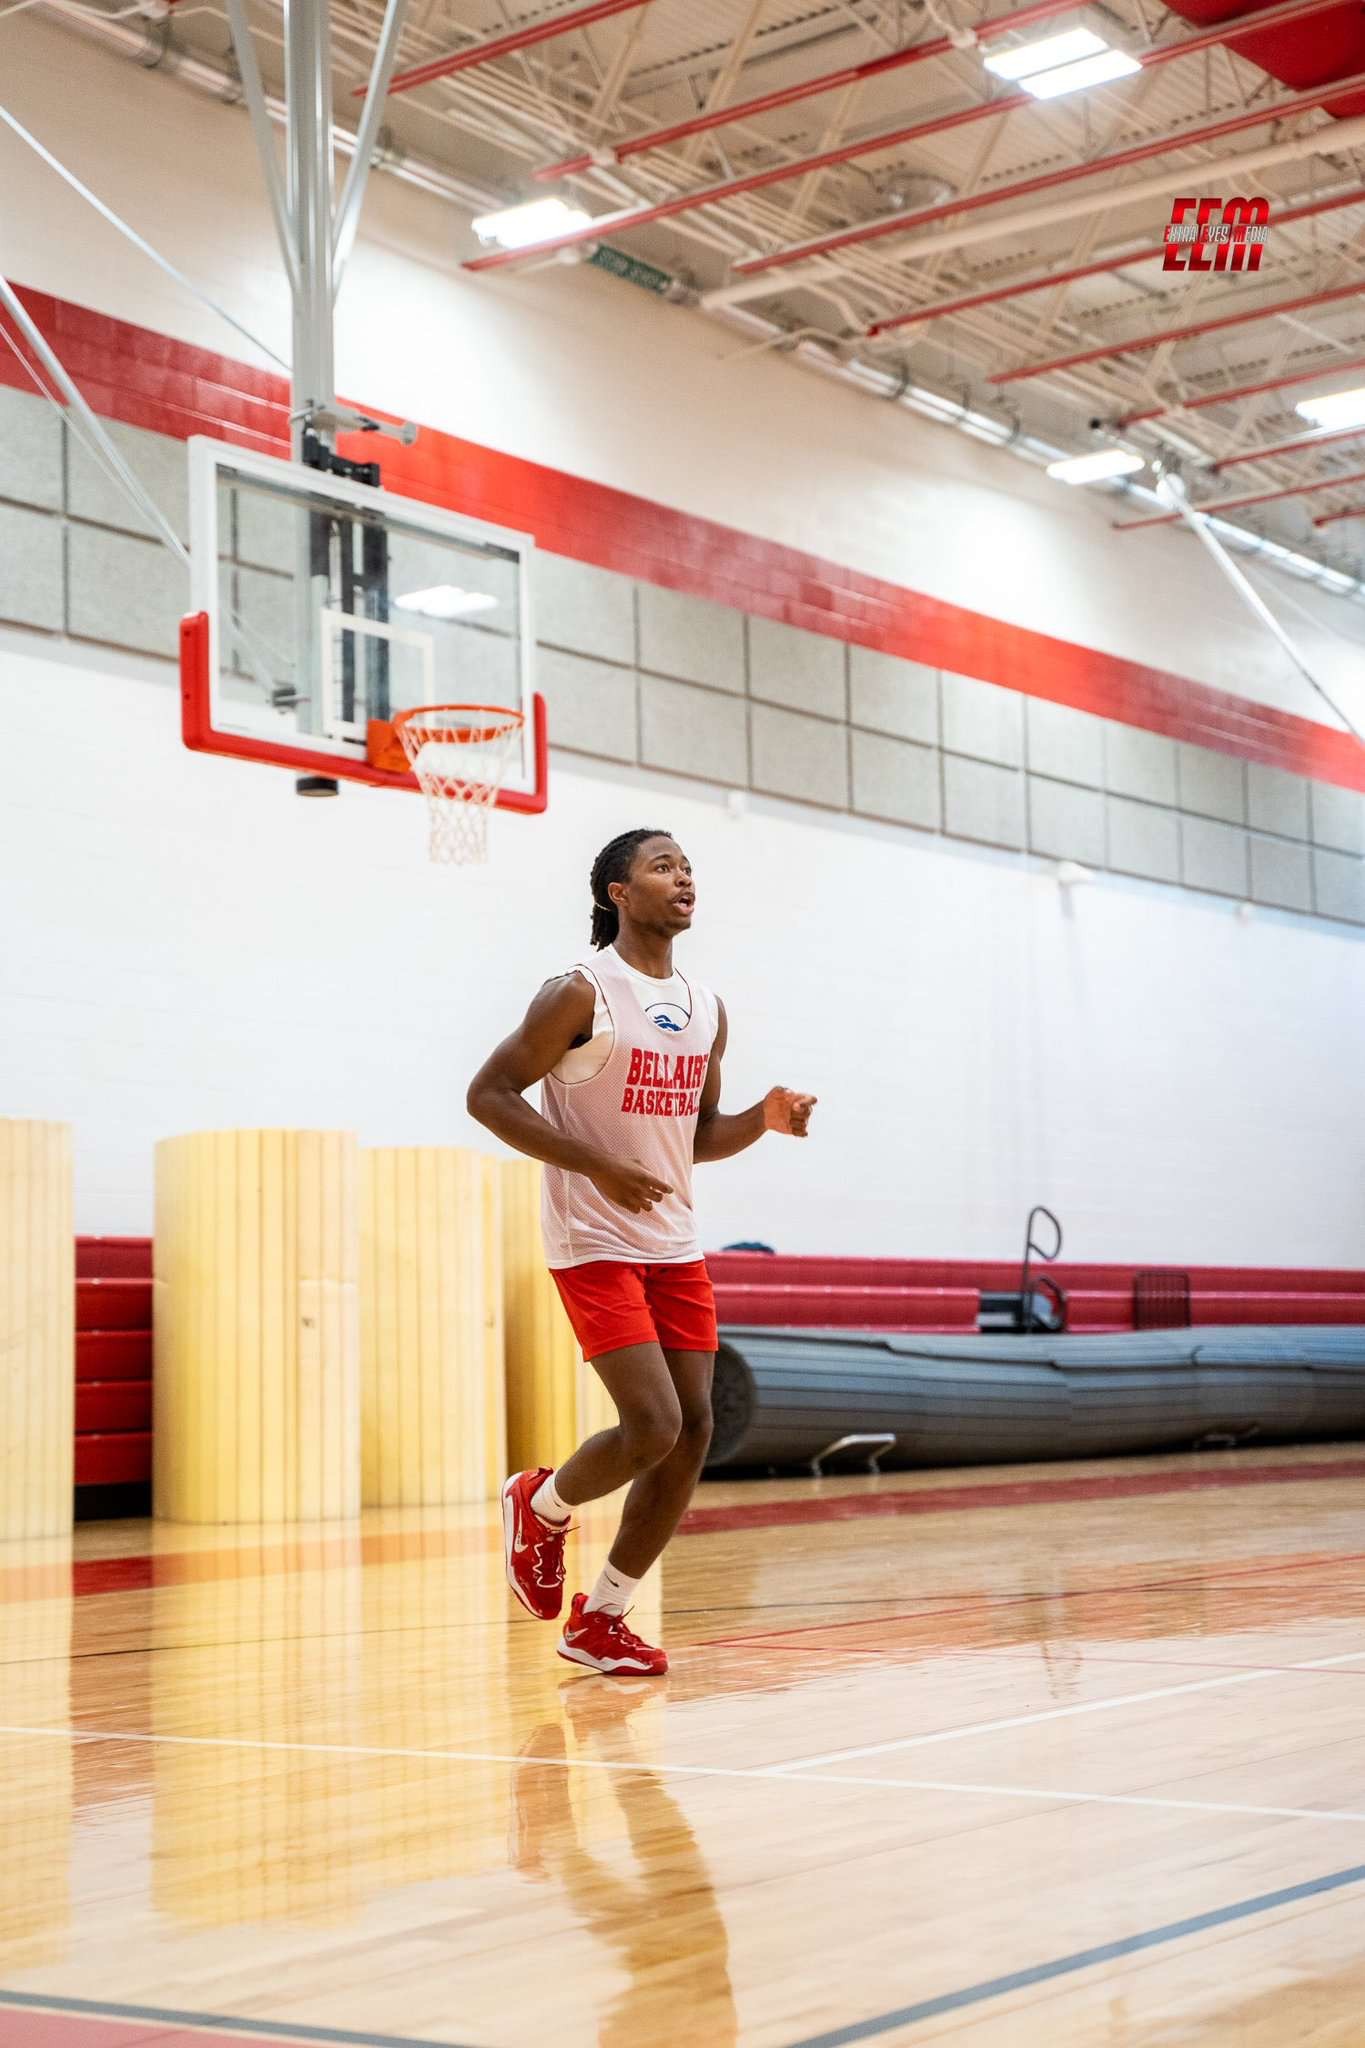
x: 149, y: 380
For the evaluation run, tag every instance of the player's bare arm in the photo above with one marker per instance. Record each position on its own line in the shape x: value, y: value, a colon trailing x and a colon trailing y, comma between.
x: 559, y: 1017
x: 720, y: 1137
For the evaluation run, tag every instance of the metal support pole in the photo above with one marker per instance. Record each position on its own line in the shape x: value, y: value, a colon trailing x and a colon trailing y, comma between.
x: 309, y: 93
x: 249, y: 72
x: 353, y: 191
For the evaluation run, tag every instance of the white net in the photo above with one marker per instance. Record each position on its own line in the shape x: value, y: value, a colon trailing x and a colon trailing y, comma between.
x: 459, y: 754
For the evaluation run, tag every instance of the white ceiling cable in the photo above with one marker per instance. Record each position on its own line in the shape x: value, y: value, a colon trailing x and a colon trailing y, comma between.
x: 1171, y: 488
x: 130, y: 234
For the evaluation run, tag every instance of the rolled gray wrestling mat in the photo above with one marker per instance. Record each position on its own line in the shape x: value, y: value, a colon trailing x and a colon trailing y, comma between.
x: 785, y: 1397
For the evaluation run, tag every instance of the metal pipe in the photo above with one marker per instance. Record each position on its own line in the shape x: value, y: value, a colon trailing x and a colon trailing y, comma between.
x: 309, y: 96
x: 1331, y: 518
x: 788, y: 95
x: 1240, y: 391
x: 1141, y: 343
x: 503, y: 46
x: 353, y: 191
x: 998, y: 294
x: 1345, y: 135
x: 253, y: 92
x: 1046, y: 181
x: 1322, y: 483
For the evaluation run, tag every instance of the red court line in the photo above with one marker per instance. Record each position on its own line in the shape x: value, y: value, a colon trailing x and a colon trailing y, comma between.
x: 38, y: 2020
x: 987, y: 1602
x: 70, y: 2030
x: 94, y: 1575
x: 944, y: 1500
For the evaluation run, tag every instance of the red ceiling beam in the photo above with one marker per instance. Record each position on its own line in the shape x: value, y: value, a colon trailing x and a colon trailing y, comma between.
x: 504, y: 46
x: 1196, y: 327
x: 1321, y: 98
x: 778, y: 174
x: 1331, y: 518
x: 857, y: 74
x: 786, y: 96
x: 1288, y: 447
x: 1240, y: 391
x: 920, y: 316
x: 1217, y: 508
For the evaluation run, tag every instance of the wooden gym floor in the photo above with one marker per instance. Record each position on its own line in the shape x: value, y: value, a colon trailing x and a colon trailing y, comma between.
x: 1064, y: 1754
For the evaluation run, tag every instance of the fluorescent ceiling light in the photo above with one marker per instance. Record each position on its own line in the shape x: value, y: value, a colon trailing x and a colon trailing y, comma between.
x: 1101, y: 467
x: 521, y: 227
x: 1338, y: 409
x: 1026, y: 58
x: 1050, y: 85
x: 445, y: 601
x: 1061, y: 64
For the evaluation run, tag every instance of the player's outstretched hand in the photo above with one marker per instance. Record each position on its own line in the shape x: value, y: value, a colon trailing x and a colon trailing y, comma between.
x: 788, y: 1111
x: 630, y: 1185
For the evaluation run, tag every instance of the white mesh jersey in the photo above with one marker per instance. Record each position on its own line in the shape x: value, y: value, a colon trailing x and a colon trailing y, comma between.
x: 633, y: 1092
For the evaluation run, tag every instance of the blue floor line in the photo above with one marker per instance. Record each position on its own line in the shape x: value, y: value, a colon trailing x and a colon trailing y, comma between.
x: 1082, y: 1959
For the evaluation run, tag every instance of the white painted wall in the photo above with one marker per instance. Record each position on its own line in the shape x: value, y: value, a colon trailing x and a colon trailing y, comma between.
x: 184, y: 945
x: 579, y: 371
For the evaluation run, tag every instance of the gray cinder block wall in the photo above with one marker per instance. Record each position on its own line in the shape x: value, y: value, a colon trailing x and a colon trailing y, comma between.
x: 635, y: 673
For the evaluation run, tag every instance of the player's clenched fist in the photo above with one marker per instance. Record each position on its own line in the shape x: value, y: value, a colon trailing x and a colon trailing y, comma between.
x: 785, y: 1110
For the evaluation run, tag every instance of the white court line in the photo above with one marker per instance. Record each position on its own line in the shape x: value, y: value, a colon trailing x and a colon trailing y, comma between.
x: 772, y: 1773
x: 1104, y: 1706
x: 1084, y: 1798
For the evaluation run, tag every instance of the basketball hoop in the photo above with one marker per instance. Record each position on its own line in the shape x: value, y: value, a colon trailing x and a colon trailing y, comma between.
x: 459, y: 753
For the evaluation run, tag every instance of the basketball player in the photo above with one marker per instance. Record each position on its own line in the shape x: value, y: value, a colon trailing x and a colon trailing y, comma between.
x: 628, y: 1055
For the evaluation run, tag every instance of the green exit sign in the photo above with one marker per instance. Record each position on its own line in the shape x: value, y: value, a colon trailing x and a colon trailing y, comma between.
x: 630, y: 268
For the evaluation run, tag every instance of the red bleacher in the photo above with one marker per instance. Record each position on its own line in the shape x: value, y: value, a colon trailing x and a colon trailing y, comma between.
x: 113, y: 1361
x: 114, y: 1317
x: 942, y: 1294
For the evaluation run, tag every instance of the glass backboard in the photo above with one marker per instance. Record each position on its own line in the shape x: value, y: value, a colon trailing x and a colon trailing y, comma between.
x: 324, y: 607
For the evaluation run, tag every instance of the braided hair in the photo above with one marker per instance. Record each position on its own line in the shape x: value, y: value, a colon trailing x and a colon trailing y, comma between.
x: 613, y: 865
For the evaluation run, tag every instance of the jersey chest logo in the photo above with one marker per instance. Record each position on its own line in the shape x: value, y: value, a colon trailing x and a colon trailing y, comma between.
x: 668, y: 1016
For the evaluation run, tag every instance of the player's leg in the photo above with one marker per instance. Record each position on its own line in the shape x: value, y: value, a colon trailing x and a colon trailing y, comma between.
x: 658, y: 1498
x: 682, y: 1306
x: 612, y: 1321
x: 683, y: 1309
x: 596, y: 1634
x: 649, y: 1419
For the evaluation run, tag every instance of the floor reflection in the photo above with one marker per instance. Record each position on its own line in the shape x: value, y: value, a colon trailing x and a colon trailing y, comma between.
x: 659, y: 1916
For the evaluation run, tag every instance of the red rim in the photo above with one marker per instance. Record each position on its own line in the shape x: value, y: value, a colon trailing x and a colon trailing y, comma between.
x: 467, y: 734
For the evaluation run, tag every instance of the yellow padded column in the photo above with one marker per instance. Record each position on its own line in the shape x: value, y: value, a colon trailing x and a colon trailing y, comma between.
x: 430, y: 1322
x: 257, y: 1327
x: 554, y: 1399
x: 37, y: 1330
x: 38, y: 1776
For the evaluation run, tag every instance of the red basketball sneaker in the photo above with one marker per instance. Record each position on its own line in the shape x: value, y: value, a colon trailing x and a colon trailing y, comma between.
x: 534, y: 1549
x: 604, y: 1643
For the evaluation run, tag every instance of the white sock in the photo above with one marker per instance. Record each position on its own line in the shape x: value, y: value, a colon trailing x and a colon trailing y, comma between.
x: 613, y: 1592
x: 546, y: 1502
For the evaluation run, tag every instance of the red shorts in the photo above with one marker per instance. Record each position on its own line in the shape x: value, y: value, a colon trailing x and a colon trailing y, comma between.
x: 612, y: 1304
